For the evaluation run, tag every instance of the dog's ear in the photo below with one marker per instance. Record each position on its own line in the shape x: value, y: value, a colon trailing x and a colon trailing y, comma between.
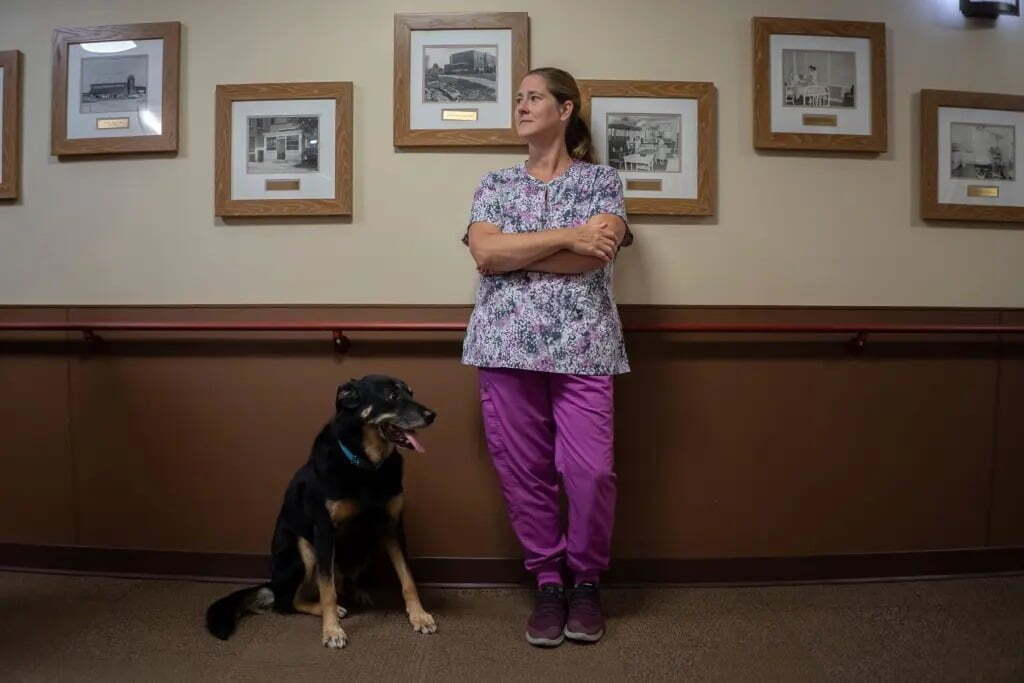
x: 348, y: 396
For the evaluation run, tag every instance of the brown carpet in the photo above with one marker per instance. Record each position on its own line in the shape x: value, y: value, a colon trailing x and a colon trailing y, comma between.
x: 74, y: 628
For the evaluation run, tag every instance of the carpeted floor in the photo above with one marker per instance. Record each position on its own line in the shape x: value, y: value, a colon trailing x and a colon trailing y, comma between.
x: 74, y: 628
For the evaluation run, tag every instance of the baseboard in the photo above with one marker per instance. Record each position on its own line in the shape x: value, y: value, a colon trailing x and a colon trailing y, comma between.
x: 483, y: 571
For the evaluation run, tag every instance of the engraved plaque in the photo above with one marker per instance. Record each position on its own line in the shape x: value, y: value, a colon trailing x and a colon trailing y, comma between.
x: 278, y: 185
x: 645, y: 185
x: 460, y: 114
x: 982, y: 191
x: 109, y: 124
x: 821, y: 120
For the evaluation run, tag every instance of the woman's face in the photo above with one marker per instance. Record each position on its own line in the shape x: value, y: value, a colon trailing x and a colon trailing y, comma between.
x: 538, y: 113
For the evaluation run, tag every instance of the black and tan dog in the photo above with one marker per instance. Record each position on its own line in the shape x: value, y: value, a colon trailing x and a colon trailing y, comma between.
x: 342, y: 504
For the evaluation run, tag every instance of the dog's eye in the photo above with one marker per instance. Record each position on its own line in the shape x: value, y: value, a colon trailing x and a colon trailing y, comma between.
x: 393, y: 396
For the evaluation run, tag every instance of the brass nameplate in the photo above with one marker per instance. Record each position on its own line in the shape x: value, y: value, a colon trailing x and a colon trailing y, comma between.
x: 821, y: 120
x: 108, y: 124
x: 645, y: 185
x: 277, y: 185
x: 460, y: 114
x: 982, y: 191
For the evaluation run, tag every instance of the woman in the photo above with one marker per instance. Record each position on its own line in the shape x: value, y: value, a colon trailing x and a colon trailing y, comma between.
x: 546, y: 336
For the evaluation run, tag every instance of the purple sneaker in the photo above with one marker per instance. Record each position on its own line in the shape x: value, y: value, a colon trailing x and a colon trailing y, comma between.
x: 586, y: 622
x: 545, y: 626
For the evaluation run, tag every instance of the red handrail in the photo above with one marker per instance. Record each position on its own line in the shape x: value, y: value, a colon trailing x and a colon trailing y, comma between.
x: 374, y: 326
x: 338, y: 328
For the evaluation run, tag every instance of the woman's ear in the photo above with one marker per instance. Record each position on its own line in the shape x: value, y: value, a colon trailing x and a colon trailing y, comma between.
x: 348, y: 396
x: 566, y: 110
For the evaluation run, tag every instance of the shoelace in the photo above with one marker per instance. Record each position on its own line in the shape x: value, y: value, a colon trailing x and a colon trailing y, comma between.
x: 550, y: 600
x: 584, y: 598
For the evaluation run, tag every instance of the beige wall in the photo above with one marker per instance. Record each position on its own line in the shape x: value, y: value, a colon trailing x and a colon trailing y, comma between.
x: 791, y: 230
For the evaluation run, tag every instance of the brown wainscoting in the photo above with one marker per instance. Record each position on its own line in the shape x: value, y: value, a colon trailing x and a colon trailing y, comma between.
x: 122, y: 562
x: 727, y: 445
x: 478, y: 571
x: 1008, y: 464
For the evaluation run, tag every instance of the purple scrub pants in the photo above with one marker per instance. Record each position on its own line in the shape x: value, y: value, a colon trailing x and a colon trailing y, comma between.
x: 546, y: 430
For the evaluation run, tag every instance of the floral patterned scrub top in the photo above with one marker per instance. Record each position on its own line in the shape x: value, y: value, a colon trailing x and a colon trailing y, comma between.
x: 546, y: 321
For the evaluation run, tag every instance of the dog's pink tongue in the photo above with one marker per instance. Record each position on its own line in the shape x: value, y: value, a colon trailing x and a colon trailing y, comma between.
x: 415, y: 444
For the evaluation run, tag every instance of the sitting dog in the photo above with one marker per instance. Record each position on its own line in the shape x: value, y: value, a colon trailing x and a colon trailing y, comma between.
x: 344, y: 502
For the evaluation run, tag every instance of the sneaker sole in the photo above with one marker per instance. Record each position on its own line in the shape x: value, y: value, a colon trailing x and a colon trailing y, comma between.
x: 583, y: 637
x: 545, y: 642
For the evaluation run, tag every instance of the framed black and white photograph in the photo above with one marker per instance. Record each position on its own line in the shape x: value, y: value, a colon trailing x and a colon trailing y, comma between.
x: 284, y: 149
x: 10, y: 124
x: 115, y: 83
x: 460, y: 73
x: 982, y: 151
x: 455, y: 75
x: 283, y: 144
x: 820, y: 79
x: 659, y: 135
x: 819, y: 85
x: 115, y: 89
x: 640, y: 143
x: 971, y: 156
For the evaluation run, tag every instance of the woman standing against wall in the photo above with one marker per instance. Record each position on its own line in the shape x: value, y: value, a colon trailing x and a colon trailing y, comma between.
x: 546, y: 336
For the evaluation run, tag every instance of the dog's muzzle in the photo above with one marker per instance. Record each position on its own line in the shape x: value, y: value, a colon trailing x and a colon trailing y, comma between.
x: 406, y: 438
x: 403, y: 433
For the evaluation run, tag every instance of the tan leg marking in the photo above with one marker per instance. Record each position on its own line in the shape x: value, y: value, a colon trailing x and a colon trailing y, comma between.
x: 301, y: 602
x: 421, y: 621
x: 395, y: 507
x: 309, y: 595
x: 333, y: 636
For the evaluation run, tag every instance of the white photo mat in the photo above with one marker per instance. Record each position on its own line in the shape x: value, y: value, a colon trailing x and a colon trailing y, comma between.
x: 316, y: 185
x: 146, y: 121
x: 427, y: 115
x: 850, y: 121
x: 682, y: 185
x: 954, y: 190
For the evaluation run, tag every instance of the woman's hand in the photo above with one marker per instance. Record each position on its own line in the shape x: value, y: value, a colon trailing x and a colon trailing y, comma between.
x: 598, y: 237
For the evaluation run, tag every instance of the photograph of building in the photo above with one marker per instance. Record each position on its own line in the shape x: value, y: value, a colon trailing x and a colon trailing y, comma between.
x: 461, y: 73
x: 114, y: 84
x: 283, y: 144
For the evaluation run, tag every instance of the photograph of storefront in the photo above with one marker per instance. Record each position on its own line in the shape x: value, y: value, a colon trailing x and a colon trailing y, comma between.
x: 283, y: 144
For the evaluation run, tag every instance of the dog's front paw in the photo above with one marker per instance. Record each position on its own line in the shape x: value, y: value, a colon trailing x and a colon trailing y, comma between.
x: 422, y: 622
x: 334, y: 638
x: 342, y: 612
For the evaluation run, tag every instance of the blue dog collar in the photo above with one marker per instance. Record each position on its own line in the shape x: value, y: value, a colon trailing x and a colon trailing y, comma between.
x: 355, y: 459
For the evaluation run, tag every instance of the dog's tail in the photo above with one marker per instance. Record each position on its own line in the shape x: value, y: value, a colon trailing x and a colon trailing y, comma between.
x: 223, y: 616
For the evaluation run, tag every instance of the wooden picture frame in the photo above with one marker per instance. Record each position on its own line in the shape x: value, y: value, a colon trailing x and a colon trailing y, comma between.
x: 698, y: 173
x: 791, y: 105
x: 992, y: 190
x: 284, y: 194
x: 135, y: 127
x: 458, y: 125
x: 10, y: 124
